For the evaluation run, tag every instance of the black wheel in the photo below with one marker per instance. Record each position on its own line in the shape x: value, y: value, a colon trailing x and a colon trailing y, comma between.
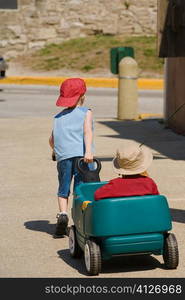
x: 171, y: 253
x: 74, y: 248
x: 92, y: 256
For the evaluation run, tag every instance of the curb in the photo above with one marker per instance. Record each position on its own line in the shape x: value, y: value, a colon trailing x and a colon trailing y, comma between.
x: 145, y: 116
x: 143, y: 83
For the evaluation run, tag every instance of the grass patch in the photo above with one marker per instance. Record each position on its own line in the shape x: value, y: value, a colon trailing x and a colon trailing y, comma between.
x: 93, y: 53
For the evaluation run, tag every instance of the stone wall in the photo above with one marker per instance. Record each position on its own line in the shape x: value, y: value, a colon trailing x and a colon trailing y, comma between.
x: 38, y: 22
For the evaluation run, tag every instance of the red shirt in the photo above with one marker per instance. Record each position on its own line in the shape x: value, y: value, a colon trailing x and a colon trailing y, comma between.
x: 136, y: 185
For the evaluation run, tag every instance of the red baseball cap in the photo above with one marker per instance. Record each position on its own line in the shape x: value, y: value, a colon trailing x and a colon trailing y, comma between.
x: 70, y: 91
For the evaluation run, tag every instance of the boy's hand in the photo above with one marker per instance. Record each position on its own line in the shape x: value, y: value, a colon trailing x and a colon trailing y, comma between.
x: 53, y: 156
x: 88, y: 157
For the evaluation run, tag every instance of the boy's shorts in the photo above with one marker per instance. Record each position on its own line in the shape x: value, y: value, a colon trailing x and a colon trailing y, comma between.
x: 66, y: 170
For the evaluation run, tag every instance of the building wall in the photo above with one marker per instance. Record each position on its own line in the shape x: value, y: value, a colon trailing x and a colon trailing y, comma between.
x: 37, y: 22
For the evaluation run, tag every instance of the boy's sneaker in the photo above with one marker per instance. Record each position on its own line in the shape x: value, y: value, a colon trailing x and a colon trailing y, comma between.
x: 61, y: 226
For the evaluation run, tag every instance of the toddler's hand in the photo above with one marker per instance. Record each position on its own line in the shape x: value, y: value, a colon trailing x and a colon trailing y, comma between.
x: 88, y: 157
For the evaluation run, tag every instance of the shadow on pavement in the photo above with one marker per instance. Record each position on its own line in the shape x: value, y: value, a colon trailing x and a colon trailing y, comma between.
x: 76, y: 263
x: 152, y: 133
x: 40, y: 225
x: 43, y: 226
x: 115, y: 265
x: 178, y: 215
x: 133, y: 263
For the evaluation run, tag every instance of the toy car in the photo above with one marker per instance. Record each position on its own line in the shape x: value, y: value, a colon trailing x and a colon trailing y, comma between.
x: 120, y: 226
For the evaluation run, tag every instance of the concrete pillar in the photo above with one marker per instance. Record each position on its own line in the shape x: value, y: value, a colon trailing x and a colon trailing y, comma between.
x: 175, y: 94
x: 174, y: 74
x: 127, y: 89
x: 161, y: 16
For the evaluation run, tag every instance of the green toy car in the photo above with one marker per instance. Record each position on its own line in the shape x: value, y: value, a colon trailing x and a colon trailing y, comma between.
x: 120, y: 226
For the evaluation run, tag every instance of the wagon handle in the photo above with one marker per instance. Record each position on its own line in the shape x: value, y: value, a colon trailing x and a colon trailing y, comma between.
x: 84, y: 171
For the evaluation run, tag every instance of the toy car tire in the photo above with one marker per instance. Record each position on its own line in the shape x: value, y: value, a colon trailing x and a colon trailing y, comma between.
x: 171, y: 253
x: 74, y: 248
x: 92, y: 255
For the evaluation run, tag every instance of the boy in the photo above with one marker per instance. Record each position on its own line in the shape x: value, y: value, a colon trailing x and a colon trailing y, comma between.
x: 72, y: 138
x: 131, y: 163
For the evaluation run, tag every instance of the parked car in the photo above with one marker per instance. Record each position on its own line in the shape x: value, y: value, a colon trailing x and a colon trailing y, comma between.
x: 3, y: 67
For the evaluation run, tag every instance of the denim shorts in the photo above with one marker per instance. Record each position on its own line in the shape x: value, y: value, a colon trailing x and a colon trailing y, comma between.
x: 66, y: 171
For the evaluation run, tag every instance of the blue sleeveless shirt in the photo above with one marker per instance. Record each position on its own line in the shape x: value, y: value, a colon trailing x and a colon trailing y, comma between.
x: 68, y: 133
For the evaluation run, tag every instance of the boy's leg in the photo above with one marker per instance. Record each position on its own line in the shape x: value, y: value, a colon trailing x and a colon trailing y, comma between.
x: 63, y: 204
x: 62, y: 218
x: 64, y: 168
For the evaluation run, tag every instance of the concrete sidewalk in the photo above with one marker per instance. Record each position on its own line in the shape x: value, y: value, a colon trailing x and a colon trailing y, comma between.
x: 29, y: 206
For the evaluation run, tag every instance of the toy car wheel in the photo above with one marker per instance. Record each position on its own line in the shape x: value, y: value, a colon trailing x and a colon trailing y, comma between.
x: 74, y: 248
x: 92, y: 256
x: 171, y: 253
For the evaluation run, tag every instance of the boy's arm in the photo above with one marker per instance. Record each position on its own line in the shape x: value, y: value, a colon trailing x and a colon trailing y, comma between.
x: 88, y: 137
x: 51, y: 141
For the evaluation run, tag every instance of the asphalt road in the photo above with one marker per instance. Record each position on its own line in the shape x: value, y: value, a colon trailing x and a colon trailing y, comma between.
x: 28, y: 181
x: 39, y: 101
